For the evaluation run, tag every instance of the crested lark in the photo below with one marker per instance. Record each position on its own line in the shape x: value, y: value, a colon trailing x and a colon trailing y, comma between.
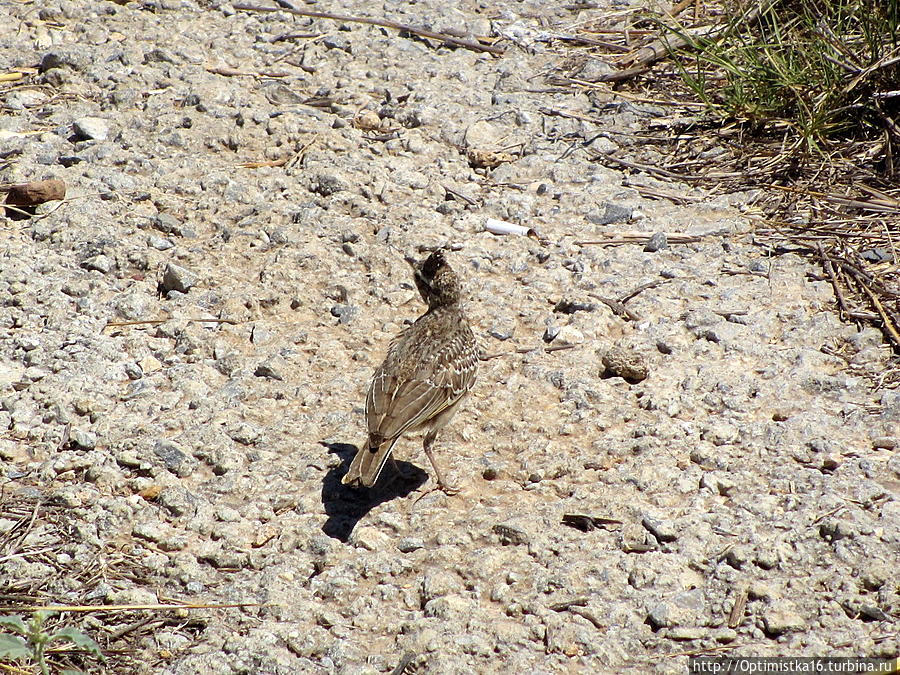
x: 428, y: 370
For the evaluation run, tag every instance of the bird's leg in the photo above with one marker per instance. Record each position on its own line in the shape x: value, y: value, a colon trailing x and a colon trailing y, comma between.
x: 426, y: 444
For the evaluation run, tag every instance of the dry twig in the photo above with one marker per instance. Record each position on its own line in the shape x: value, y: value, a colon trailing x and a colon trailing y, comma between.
x: 156, y: 322
x: 384, y: 23
x: 526, y: 350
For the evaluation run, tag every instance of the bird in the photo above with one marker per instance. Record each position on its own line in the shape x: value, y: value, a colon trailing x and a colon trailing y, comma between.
x: 428, y: 370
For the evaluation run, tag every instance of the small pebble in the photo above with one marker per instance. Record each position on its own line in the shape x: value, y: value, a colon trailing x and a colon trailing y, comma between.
x: 657, y: 242
x: 178, y: 278
x: 98, y: 263
x: 91, y: 128
x: 625, y: 363
x: 159, y: 243
x: 663, y: 530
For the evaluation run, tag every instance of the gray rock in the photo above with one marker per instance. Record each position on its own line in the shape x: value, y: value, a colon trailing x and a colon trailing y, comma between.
x: 244, y: 433
x: 720, y: 433
x: 738, y: 556
x: 370, y: 539
x: 697, y: 319
x: 345, y: 313
x: 663, y: 530
x: 781, y: 618
x: 686, y: 633
x: 410, y: 544
x: 178, y: 278
x: 760, y: 590
x: 438, y: 583
x: 22, y: 100
x: 220, y: 557
x: 338, y: 42
x: 178, y: 501
x: 133, y: 306
x: 876, y: 255
x: 766, y: 558
x: 91, y: 128
x: 167, y: 223
x: 174, y: 458
x: 657, y: 242
x: 875, y: 575
x: 133, y: 371
x: 717, y: 482
x: 260, y: 335
x: 412, y: 118
x: 160, y: 55
x: 835, y: 529
x: 281, y: 94
x: 594, y: 70
x: 326, y: 184
x: 482, y: 135
x: 760, y: 265
x: 509, y: 533
x: 724, y: 333
x: 612, y: 213
x: 76, y: 289
x: 501, y: 332
x: 272, y: 368
x: 572, y: 306
x: 569, y: 335
x: 84, y: 439
x: 725, y: 635
x: 159, y: 243
x: 885, y: 442
x: 98, y: 263
x: 76, y: 57
x: 684, y: 609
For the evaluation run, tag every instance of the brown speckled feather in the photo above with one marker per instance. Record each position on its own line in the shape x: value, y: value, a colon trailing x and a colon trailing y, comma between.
x: 427, y: 371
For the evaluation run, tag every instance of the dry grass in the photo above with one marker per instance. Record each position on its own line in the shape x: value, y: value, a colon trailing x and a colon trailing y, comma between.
x: 43, y: 563
x: 796, y: 99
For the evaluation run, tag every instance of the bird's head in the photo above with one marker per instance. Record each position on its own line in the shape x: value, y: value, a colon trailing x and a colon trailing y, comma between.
x: 436, y: 280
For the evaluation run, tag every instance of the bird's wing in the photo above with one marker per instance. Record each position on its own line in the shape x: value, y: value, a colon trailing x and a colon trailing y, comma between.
x: 400, y: 401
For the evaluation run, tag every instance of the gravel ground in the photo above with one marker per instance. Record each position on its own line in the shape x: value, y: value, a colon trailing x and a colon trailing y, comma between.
x: 185, y: 344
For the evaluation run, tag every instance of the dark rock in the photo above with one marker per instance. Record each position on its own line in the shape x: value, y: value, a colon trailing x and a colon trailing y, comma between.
x: 344, y: 313
x: 550, y: 333
x: 612, y: 213
x: 174, y: 458
x: 657, y: 242
x: 572, y: 306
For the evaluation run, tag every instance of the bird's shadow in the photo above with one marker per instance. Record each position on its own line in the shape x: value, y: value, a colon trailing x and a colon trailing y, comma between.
x: 346, y: 505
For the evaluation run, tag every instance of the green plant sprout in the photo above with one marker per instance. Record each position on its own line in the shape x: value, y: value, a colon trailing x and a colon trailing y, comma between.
x: 31, y: 640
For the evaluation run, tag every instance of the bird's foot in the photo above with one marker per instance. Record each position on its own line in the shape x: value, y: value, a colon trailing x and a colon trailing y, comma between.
x: 449, y: 490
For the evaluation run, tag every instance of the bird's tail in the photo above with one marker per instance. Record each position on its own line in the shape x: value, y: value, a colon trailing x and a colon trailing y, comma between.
x: 369, y: 461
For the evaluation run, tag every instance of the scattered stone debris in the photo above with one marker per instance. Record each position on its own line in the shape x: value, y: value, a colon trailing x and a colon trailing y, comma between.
x: 182, y: 381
